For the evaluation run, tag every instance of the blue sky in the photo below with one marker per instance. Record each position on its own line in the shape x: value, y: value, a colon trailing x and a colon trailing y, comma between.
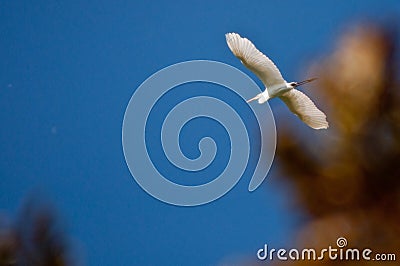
x: 67, y: 72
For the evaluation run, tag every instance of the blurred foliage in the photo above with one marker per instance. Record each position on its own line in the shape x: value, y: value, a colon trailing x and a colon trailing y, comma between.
x: 348, y: 180
x: 35, y: 238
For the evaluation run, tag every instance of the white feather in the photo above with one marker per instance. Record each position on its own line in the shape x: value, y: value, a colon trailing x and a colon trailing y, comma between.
x: 254, y: 60
x: 305, y: 109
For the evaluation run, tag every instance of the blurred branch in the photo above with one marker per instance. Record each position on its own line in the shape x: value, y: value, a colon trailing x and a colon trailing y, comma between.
x: 34, y: 239
x: 350, y: 186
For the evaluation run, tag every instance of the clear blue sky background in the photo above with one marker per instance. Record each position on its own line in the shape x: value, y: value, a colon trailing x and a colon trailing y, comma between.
x: 67, y: 72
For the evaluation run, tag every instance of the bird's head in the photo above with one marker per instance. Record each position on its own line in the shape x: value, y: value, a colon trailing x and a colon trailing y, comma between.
x: 296, y: 84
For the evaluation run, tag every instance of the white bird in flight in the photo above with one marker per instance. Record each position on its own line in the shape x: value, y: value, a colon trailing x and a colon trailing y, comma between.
x: 276, y: 86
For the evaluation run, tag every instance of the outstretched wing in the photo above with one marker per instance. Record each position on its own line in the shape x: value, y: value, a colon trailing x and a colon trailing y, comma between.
x: 305, y: 109
x: 254, y: 60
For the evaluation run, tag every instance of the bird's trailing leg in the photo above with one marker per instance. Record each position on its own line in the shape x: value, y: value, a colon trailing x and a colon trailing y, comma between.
x: 253, y: 99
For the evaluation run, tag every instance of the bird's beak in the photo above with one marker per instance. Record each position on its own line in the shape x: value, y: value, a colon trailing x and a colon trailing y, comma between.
x: 253, y: 99
x: 305, y: 81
